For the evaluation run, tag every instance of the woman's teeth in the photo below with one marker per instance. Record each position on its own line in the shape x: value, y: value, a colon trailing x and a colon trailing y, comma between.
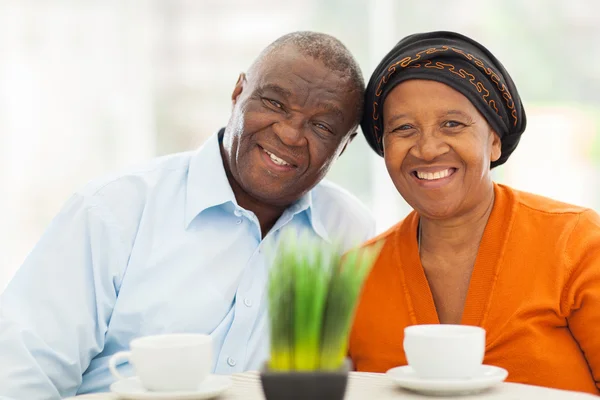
x: 430, y: 176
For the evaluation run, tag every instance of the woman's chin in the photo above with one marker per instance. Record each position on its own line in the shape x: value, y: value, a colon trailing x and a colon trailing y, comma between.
x: 438, y: 211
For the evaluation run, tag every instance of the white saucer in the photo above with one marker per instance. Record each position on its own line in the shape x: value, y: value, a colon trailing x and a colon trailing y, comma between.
x: 486, y: 377
x: 132, y: 389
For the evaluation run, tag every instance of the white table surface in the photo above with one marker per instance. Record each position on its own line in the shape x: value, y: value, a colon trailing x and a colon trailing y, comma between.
x: 366, y: 386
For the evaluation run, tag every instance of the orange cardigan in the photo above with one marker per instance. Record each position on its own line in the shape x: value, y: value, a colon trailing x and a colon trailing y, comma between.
x: 535, y: 288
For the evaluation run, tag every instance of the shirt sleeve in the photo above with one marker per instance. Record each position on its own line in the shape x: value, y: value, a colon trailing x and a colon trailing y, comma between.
x: 55, y: 311
x: 581, y: 298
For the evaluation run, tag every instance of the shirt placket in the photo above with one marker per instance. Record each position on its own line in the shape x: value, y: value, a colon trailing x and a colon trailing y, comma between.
x: 232, y: 358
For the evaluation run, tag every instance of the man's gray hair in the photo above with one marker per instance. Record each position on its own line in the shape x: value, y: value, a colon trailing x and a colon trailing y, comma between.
x: 327, y: 49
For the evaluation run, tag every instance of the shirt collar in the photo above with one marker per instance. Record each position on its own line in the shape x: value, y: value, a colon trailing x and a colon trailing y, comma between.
x: 209, y: 189
x: 207, y: 183
x: 307, y: 204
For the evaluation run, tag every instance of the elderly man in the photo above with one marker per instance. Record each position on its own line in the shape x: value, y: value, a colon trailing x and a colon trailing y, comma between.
x: 177, y: 245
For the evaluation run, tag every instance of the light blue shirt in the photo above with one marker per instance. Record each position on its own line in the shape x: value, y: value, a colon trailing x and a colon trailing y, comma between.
x: 161, y: 249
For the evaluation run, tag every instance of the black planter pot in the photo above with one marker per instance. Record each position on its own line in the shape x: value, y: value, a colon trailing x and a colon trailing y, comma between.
x: 317, y: 385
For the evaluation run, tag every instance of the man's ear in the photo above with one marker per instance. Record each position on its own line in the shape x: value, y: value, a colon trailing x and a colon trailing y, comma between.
x: 352, y: 136
x: 238, y: 89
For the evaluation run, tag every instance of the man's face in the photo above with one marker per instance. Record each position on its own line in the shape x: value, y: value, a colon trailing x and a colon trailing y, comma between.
x: 291, y: 118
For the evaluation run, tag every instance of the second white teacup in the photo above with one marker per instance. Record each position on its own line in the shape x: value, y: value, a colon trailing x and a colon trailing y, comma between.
x: 444, y: 351
x: 171, y: 362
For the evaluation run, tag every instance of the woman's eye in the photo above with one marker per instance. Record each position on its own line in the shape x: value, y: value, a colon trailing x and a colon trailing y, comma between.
x: 405, y: 130
x: 402, y: 128
x: 452, y: 124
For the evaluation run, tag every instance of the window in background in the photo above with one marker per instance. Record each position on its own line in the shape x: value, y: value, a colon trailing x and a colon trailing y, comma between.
x: 89, y: 87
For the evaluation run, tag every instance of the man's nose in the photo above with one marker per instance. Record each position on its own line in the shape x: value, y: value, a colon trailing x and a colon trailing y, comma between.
x: 291, y: 131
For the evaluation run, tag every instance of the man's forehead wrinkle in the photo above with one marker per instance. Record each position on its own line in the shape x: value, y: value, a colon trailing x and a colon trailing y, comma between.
x: 289, y: 69
x: 279, y: 89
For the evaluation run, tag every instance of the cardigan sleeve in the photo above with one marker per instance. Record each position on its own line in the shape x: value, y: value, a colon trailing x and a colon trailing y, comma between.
x: 581, y: 296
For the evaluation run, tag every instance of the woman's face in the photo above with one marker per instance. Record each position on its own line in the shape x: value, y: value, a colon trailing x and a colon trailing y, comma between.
x: 438, y: 149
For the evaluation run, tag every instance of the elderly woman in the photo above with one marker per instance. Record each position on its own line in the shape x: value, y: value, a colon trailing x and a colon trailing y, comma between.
x: 443, y: 112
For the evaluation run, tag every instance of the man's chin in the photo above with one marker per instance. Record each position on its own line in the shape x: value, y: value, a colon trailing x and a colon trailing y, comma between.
x: 274, y: 192
x: 274, y: 198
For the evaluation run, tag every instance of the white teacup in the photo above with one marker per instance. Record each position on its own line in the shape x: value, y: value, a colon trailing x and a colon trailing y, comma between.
x: 172, y: 362
x: 444, y: 351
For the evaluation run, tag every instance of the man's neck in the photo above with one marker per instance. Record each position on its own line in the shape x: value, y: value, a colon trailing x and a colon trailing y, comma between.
x: 267, y: 214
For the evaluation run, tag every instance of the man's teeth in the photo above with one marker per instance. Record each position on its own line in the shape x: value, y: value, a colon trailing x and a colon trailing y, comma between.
x: 276, y: 159
x: 430, y: 176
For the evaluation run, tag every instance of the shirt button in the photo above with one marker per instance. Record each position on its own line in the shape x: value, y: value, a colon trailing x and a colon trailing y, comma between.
x: 237, y: 213
x: 231, y: 362
x: 248, y: 302
x: 239, y: 221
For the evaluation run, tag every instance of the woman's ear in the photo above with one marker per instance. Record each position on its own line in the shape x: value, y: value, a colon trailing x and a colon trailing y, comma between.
x: 496, y: 146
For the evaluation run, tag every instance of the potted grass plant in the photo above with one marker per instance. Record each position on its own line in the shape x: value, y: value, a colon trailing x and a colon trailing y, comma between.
x: 312, y: 295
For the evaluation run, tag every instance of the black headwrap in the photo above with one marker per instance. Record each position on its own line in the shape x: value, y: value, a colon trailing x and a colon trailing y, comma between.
x: 460, y: 63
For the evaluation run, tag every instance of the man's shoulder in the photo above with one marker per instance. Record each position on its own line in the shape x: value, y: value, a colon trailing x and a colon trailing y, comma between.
x: 139, y: 178
x: 342, y: 198
x: 347, y: 207
x: 126, y: 194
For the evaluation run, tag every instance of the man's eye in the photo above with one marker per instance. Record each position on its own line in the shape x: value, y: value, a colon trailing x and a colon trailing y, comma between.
x: 273, y: 103
x: 323, y: 127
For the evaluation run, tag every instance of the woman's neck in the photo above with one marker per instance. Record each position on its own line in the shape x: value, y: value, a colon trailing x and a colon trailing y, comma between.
x: 459, y: 236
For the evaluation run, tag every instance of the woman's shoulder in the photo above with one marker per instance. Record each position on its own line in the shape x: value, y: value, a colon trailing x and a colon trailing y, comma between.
x: 535, y: 203
x: 552, y: 218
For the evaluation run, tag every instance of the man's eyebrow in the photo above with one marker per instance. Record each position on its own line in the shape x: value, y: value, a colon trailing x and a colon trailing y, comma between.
x: 334, y: 109
x: 272, y: 87
x: 275, y: 88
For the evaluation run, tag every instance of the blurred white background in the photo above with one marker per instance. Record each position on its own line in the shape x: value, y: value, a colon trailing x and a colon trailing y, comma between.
x: 88, y: 87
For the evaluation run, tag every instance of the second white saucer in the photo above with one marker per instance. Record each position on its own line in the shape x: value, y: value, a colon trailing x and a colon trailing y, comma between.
x: 486, y: 377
